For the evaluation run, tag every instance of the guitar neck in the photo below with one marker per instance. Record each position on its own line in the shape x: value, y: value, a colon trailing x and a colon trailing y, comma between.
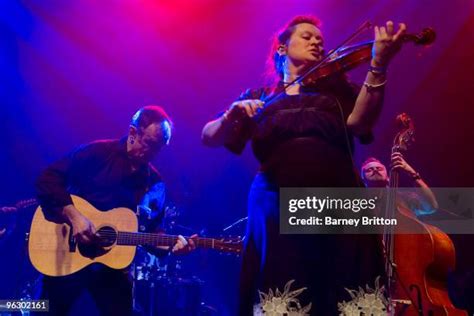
x: 153, y: 239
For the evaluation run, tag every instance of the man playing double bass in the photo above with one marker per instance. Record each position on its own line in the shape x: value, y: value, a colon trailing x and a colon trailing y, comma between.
x: 375, y: 175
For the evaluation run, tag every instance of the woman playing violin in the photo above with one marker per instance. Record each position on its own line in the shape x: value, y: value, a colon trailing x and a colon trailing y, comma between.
x: 304, y: 138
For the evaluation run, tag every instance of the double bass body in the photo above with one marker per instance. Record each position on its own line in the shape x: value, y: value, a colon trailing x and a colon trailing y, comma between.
x: 423, y: 261
x: 419, y: 256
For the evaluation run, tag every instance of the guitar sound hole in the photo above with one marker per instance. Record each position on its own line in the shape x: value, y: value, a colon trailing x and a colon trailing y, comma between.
x: 104, y: 238
x: 107, y: 236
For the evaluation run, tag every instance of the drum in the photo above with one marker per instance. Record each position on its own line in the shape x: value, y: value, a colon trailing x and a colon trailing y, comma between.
x: 147, y: 266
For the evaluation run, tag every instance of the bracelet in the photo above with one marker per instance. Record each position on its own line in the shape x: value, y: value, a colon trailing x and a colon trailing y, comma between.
x: 378, y: 70
x: 416, y: 176
x: 371, y: 86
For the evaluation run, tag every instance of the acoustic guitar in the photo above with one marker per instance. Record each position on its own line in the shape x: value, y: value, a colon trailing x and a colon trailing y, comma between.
x: 54, y: 251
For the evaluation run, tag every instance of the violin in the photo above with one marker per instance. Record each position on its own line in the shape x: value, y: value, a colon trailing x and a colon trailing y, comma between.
x: 349, y: 57
x: 345, y: 58
x: 417, y: 265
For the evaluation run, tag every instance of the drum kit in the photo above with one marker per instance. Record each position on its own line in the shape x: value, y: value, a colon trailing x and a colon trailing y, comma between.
x: 160, y: 288
x: 161, y: 285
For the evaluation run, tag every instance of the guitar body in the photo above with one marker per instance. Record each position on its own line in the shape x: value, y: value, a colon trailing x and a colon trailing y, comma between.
x: 53, y: 253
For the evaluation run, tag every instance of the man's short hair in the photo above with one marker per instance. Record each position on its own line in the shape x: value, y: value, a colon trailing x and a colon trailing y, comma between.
x: 369, y: 160
x: 148, y: 115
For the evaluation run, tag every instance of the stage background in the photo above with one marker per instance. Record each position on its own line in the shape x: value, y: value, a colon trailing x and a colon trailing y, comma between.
x: 75, y: 71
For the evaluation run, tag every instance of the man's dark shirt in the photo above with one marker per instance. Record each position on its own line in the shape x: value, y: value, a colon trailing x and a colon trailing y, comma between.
x: 101, y: 173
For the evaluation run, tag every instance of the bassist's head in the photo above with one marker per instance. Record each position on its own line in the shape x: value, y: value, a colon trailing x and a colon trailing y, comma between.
x: 374, y: 173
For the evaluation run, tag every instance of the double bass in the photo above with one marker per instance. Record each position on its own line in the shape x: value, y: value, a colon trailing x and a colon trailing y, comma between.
x: 417, y: 264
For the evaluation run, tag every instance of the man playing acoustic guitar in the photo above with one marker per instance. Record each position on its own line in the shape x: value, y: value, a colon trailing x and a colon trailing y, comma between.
x: 108, y: 174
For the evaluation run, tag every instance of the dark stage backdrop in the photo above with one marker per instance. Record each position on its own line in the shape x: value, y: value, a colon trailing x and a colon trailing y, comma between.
x: 75, y: 71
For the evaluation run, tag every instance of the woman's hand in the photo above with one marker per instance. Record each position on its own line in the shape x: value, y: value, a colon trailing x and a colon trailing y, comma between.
x: 240, y: 109
x: 386, y: 43
x: 216, y: 132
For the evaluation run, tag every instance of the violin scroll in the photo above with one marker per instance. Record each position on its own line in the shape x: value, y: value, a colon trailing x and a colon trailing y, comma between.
x: 406, y: 135
x: 426, y: 37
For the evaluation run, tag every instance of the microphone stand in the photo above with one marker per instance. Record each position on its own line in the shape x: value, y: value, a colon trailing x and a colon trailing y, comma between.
x: 235, y: 223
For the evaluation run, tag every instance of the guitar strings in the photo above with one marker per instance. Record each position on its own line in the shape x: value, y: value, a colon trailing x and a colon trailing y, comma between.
x: 153, y: 238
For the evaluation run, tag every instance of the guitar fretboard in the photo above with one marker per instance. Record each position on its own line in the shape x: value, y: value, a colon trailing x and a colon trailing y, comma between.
x: 152, y: 239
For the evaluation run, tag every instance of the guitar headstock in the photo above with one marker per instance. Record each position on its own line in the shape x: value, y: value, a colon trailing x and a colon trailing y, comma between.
x: 26, y: 203
x: 229, y: 244
x: 18, y: 206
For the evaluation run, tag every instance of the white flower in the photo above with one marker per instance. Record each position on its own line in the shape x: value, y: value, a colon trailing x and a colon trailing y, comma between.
x: 281, y: 303
x: 349, y: 309
x: 268, y: 307
x: 371, y: 302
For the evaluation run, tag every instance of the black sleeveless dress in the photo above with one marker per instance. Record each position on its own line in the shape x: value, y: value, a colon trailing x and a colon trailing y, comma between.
x: 302, y: 141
